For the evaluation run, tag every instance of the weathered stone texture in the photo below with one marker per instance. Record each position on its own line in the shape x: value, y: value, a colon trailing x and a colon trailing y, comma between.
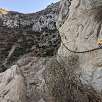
x: 28, y: 47
x: 80, y: 34
x: 12, y: 86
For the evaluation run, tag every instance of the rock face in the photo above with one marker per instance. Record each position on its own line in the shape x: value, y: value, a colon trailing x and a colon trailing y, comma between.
x: 80, y: 34
x: 63, y: 14
x: 33, y: 71
x: 49, y: 81
x: 12, y: 86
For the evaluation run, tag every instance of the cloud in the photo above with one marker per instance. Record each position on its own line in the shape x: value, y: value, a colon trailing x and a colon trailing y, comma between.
x: 56, y: 0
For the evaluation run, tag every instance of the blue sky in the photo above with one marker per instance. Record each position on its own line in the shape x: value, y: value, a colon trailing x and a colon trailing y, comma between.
x: 25, y: 6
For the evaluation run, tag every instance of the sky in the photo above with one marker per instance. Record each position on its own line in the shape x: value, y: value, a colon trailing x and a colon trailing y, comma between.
x: 25, y: 6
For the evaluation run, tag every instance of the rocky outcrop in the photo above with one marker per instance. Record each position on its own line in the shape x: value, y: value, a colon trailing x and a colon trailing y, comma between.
x: 80, y: 34
x: 12, y: 86
x: 63, y: 14
x: 49, y: 81
x: 28, y: 47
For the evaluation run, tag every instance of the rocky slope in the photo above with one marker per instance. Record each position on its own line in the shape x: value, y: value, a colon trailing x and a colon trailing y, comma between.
x: 28, y: 42
x: 35, y: 70
x: 25, y: 33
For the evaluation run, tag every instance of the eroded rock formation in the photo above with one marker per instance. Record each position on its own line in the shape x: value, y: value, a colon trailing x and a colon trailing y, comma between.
x: 30, y: 66
x: 63, y: 12
x: 80, y: 34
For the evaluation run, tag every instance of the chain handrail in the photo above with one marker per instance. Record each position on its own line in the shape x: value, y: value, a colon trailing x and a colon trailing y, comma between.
x: 85, y: 51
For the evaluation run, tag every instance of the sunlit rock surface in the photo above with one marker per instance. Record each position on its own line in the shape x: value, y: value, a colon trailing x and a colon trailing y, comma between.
x: 33, y: 71
x: 12, y: 86
x: 80, y: 34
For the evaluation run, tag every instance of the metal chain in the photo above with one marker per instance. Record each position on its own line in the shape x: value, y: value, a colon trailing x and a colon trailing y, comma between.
x: 85, y: 51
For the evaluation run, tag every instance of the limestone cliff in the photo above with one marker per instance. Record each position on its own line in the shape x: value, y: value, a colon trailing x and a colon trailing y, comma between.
x: 79, y: 35
x: 12, y: 86
x: 52, y: 55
